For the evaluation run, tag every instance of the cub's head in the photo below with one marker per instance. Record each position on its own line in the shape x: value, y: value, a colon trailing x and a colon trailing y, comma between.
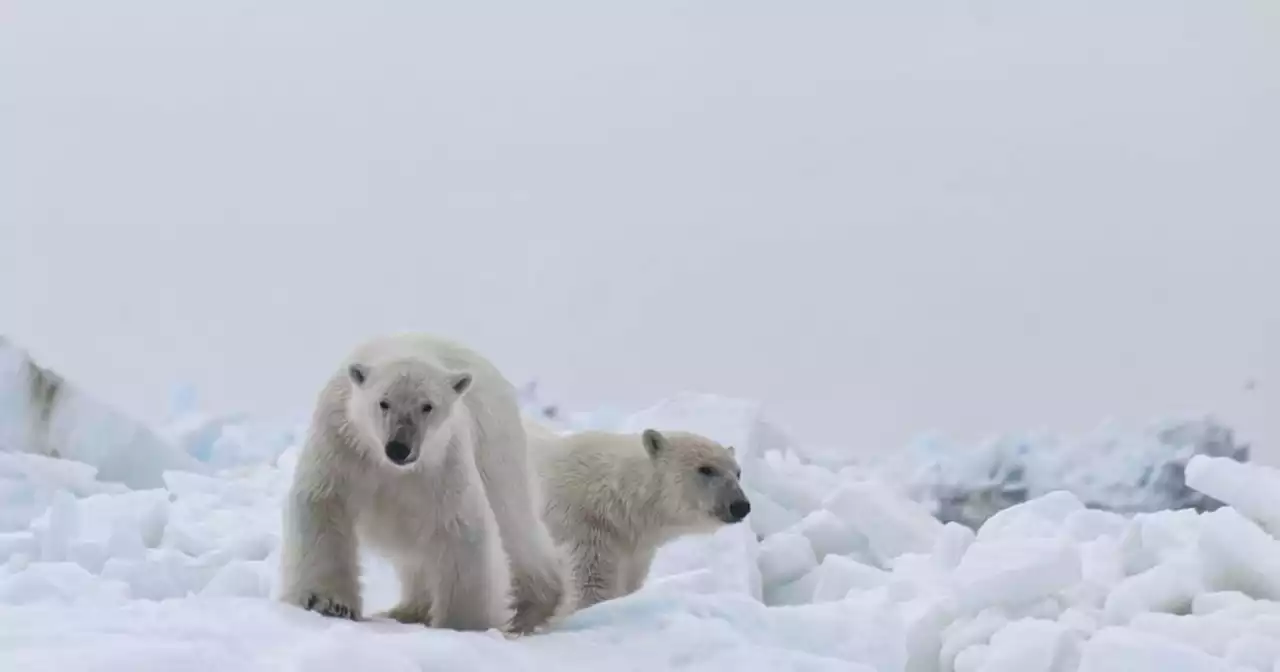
x: 401, y: 409
x: 700, y: 479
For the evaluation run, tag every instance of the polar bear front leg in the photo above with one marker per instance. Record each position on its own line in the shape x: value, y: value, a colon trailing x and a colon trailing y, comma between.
x: 637, y: 570
x: 596, y: 572
x: 320, y: 570
x: 538, y: 574
x: 472, y: 582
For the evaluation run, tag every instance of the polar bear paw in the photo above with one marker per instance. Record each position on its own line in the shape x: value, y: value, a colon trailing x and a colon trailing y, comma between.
x: 537, y: 600
x: 328, y: 606
x: 410, y: 613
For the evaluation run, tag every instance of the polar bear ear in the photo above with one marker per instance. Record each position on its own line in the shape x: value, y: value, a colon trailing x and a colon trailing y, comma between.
x: 654, y: 442
x: 731, y: 451
x: 357, y: 373
x: 460, y: 382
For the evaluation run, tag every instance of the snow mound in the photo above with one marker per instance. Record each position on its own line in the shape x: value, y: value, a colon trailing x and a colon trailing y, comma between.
x: 835, y: 569
x: 43, y: 414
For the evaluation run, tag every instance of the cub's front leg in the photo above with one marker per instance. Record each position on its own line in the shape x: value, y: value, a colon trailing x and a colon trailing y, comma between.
x: 596, y: 572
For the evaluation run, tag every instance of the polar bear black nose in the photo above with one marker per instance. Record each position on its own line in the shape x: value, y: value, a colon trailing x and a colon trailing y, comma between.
x: 397, y: 451
x: 739, y: 509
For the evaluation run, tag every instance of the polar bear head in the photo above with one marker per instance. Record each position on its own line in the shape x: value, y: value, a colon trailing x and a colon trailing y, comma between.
x: 403, y: 409
x: 699, y: 479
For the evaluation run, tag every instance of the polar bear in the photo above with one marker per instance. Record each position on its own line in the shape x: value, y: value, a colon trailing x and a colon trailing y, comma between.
x: 611, y: 500
x: 416, y: 448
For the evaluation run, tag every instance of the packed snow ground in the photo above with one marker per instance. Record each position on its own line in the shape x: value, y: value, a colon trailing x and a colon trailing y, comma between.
x: 835, y: 570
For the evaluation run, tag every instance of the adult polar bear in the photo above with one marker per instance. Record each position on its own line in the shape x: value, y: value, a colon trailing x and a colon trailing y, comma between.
x: 417, y: 449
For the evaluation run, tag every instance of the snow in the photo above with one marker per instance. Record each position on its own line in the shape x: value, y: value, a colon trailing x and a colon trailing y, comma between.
x: 838, y: 575
x: 1251, y: 489
x: 1126, y: 650
x: 1029, y: 645
x: 828, y: 533
x: 785, y: 557
x: 891, y: 524
x: 836, y: 569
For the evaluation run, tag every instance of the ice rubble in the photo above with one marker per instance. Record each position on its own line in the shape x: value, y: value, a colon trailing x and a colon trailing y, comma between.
x: 835, y: 570
x: 1109, y: 469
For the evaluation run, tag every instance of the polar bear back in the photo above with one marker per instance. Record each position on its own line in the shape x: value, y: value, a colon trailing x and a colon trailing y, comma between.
x: 444, y: 353
x: 570, y: 463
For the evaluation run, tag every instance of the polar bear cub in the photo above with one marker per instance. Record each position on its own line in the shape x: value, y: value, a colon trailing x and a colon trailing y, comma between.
x: 416, y: 449
x: 611, y: 500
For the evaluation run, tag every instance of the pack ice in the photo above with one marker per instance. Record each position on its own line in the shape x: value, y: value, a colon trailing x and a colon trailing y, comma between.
x: 835, y: 569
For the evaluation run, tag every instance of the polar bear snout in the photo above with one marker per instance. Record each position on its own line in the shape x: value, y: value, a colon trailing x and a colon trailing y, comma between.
x: 400, y: 449
x: 732, y: 505
x: 399, y: 452
x: 738, y: 510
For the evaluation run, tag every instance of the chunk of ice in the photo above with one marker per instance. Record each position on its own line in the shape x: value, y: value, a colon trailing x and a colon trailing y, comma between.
x: 1118, y: 649
x: 1030, y: 645
x: 966, y: 632
x: 892, y: 524
x: 1040, y: 517
x: 828, y: 534
x: 1239, y: 555
x: 1168, y: 587
x: 837, y: 575
x: 1251, y: 489
x: 1253, y: 652
x: 44, y: 414
x: 1014, y: 572
x: 785, y: 557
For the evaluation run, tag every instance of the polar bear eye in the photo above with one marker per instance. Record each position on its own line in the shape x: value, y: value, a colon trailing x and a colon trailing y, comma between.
x: 706, y: 470
x: 384, y: 405
x: 426, y: 408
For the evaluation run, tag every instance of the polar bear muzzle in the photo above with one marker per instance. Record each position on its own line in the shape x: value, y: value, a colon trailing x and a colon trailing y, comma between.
x: 739, y: 510
x: 400, y: 447
x: 398, y: 451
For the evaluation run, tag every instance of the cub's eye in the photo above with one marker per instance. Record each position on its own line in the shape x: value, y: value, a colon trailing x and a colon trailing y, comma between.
x: 707, y: 471
x: 384, y: 405
x: 426, y: 408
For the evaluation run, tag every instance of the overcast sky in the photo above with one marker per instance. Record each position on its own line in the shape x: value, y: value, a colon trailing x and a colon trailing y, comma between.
x: 879, y: 218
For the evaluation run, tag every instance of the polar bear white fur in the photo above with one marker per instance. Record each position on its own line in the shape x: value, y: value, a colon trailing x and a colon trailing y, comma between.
x: 611, y: 500
x: 416, y: 449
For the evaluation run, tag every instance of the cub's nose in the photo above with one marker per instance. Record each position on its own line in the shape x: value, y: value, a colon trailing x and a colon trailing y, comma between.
x: 397, y: 451
x: 739, y: 509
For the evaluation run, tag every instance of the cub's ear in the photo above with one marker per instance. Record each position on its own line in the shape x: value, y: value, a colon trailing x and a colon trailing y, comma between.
x: 654, y: 442
x: 358, y: 374
x: 460, y: 382
x: 731, y: 451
